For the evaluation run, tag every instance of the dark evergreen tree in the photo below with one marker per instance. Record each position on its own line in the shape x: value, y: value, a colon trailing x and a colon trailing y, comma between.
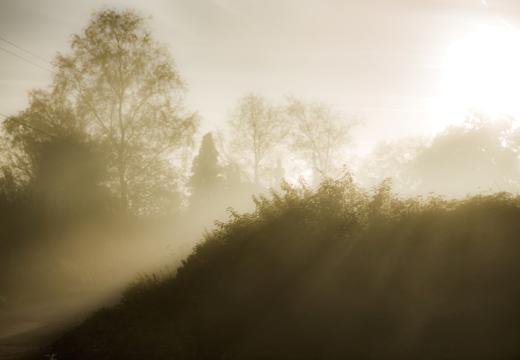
x: 206, y: 178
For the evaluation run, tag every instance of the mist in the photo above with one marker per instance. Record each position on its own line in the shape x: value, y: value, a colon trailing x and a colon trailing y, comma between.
x: 165, y: 154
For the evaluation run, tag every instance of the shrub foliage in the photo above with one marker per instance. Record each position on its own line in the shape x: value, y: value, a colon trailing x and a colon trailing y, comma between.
x: 334, y: 273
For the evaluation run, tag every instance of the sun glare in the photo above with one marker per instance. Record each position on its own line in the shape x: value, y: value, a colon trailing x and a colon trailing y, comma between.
x: 481, y: 72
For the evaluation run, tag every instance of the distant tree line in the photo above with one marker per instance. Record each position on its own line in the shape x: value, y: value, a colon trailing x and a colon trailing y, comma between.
x: 110, y: 144
x: 117, y: 97
x: 477, y: 156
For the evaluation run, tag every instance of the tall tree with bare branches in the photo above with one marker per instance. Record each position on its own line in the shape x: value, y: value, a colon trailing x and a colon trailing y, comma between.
x: 319, y: 134
x: 255, y: 133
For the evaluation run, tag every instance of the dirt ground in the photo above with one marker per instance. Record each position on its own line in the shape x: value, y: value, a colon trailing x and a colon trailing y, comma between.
x: 26, y: 328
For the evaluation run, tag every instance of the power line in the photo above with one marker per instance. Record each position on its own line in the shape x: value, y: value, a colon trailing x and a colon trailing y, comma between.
x: 30, y: 62
x: 24, y: 59
x: 24, y: 50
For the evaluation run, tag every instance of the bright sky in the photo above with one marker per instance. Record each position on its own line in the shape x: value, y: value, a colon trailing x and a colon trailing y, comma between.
x: 394, y: 63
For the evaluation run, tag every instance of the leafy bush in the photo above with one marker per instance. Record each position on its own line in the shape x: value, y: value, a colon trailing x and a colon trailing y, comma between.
x: 335, y: 273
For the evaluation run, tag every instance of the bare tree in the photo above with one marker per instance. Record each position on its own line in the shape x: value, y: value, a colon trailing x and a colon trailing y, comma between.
x: 319, y: 134
x: 255, y: 133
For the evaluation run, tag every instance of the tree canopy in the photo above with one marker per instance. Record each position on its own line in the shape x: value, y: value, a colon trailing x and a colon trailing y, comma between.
x: 255, y: 133
x: 319, y: 134
x: 121, y: 88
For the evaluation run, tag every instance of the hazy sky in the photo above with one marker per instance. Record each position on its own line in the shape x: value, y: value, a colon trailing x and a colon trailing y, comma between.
x: 377, y: 60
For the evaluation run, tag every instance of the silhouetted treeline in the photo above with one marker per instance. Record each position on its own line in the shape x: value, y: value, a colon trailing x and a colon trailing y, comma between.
x: 107, y: 151
x: 94, y: 172
x: 335, y: 273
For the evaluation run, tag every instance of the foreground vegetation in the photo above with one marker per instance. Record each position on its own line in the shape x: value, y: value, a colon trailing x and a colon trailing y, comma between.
x: 335, y: 273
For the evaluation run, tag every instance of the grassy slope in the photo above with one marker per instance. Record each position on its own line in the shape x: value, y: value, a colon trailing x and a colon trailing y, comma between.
x: 332, y: 274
